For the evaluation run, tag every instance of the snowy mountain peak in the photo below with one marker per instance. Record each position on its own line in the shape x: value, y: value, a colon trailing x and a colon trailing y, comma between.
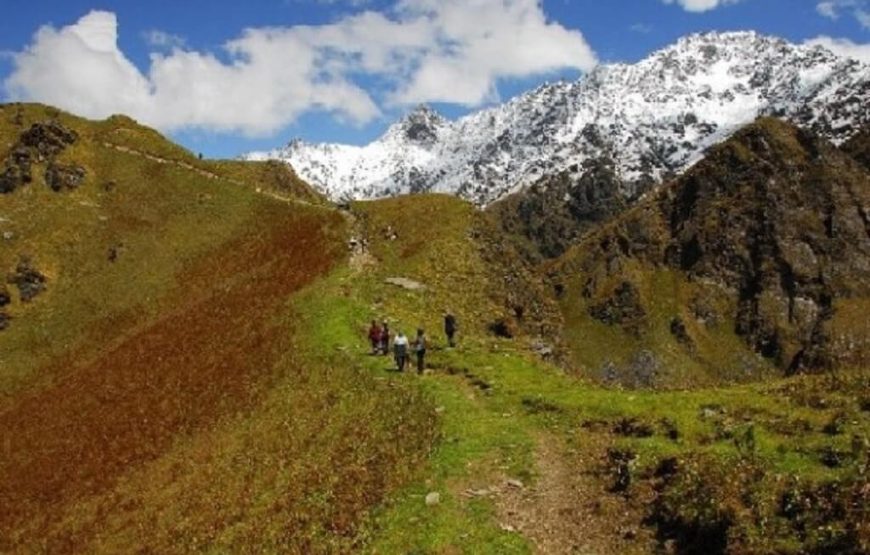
x: 421, y: 126
x: 652, y: 119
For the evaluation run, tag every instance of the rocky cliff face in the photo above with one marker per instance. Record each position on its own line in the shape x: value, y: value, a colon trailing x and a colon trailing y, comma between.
x: 651, y: 120
x: 858, y: 147
x: 772, y: 237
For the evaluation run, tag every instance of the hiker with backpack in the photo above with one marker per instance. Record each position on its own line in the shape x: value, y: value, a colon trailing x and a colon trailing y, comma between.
x: 450, y: 327
x: 420, y: 349
x: 375, y: 332
x: 400, y: 349
x: 385, y: 339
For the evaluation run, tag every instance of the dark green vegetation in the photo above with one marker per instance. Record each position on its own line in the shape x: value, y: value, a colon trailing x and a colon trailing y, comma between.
x: 551, y: 215
x: 184, y: 363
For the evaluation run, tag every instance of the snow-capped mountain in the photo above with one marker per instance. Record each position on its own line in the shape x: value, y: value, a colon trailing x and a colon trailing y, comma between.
x: 652, y: 119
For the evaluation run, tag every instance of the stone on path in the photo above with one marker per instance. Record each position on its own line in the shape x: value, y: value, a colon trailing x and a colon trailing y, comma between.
x: 406, y: 283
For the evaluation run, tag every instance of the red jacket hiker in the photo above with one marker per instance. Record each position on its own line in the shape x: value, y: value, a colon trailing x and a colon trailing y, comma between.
x: 375, y: 334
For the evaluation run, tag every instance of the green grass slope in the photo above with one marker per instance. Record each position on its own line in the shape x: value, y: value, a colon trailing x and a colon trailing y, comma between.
x: 776, y: 467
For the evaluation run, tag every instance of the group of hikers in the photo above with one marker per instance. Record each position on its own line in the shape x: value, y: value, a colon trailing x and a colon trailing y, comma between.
x: 379, y: 335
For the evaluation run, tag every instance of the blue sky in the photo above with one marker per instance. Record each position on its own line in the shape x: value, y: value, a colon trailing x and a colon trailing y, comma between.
x: 224, y: 77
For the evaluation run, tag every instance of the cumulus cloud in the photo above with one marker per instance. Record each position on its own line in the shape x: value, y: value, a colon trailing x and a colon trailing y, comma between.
x: 843, y: 47
x: 827, y: 9
x: 477, y: 42
x: 860, y: 10
x: 700, y: 5
x: 452, y: 51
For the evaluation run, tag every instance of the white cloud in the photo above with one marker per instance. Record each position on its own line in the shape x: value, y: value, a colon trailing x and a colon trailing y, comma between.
x: 859, y: 9
x: 162, y: 39
x: 827, y: 9
x: 700, y: 5
x: 479, y: 41
x: 843, y: 47
x: 451, y: 51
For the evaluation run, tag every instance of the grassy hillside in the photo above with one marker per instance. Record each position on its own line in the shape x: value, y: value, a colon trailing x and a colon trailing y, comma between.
x: 153, y: 394
x: 192, y: 374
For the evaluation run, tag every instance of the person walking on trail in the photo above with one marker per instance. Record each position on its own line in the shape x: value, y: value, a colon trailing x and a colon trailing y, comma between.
x: 450, y: 328
x: 375, y: 332
x: 400, y: 348
x: 385, y: 338
x: 420, y: 349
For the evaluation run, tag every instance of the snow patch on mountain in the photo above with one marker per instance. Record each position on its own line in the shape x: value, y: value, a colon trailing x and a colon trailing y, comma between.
x: 653, y: 119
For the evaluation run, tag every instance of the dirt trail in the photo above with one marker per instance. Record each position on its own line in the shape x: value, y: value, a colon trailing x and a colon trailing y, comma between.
x: 567, y: 509
x: 202, y: 172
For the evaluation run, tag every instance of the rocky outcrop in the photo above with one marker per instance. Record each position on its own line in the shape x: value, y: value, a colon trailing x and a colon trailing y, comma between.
x: 776, y: 219
x: 554, y: 213
x: 41, y: 144
x: 858, y: 147
x: 48, y: 139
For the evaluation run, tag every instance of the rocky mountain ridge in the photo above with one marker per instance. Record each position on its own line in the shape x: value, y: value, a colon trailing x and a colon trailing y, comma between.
x: 768, y: 237
x: 652, y: 120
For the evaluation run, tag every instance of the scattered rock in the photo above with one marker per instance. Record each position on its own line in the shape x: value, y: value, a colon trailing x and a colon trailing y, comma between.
x: 832, y: 458
x: 8, y: 235
x: 406, y: 283
x: 28, y: 279
x: 670, y: 428
x: 433, y: 498
x: 632, y: 427
x: 478, y: 492
x: 114, y: 252
x: 11, y: 179
x: 5, y: 297
x: 836, y: 425
x: 514, y: 483
x: 502, y: 328
x: 712, y: 411
x: 620, y: 462
x: 60, y: 177
x: 679, y: 331
x: 622, y: 307
x: 642, y: 371
x: 542, y: 349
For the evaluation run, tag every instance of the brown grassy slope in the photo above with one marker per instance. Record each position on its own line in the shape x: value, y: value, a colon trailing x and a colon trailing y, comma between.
x: 209, y: 356
x: 766, y: 240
